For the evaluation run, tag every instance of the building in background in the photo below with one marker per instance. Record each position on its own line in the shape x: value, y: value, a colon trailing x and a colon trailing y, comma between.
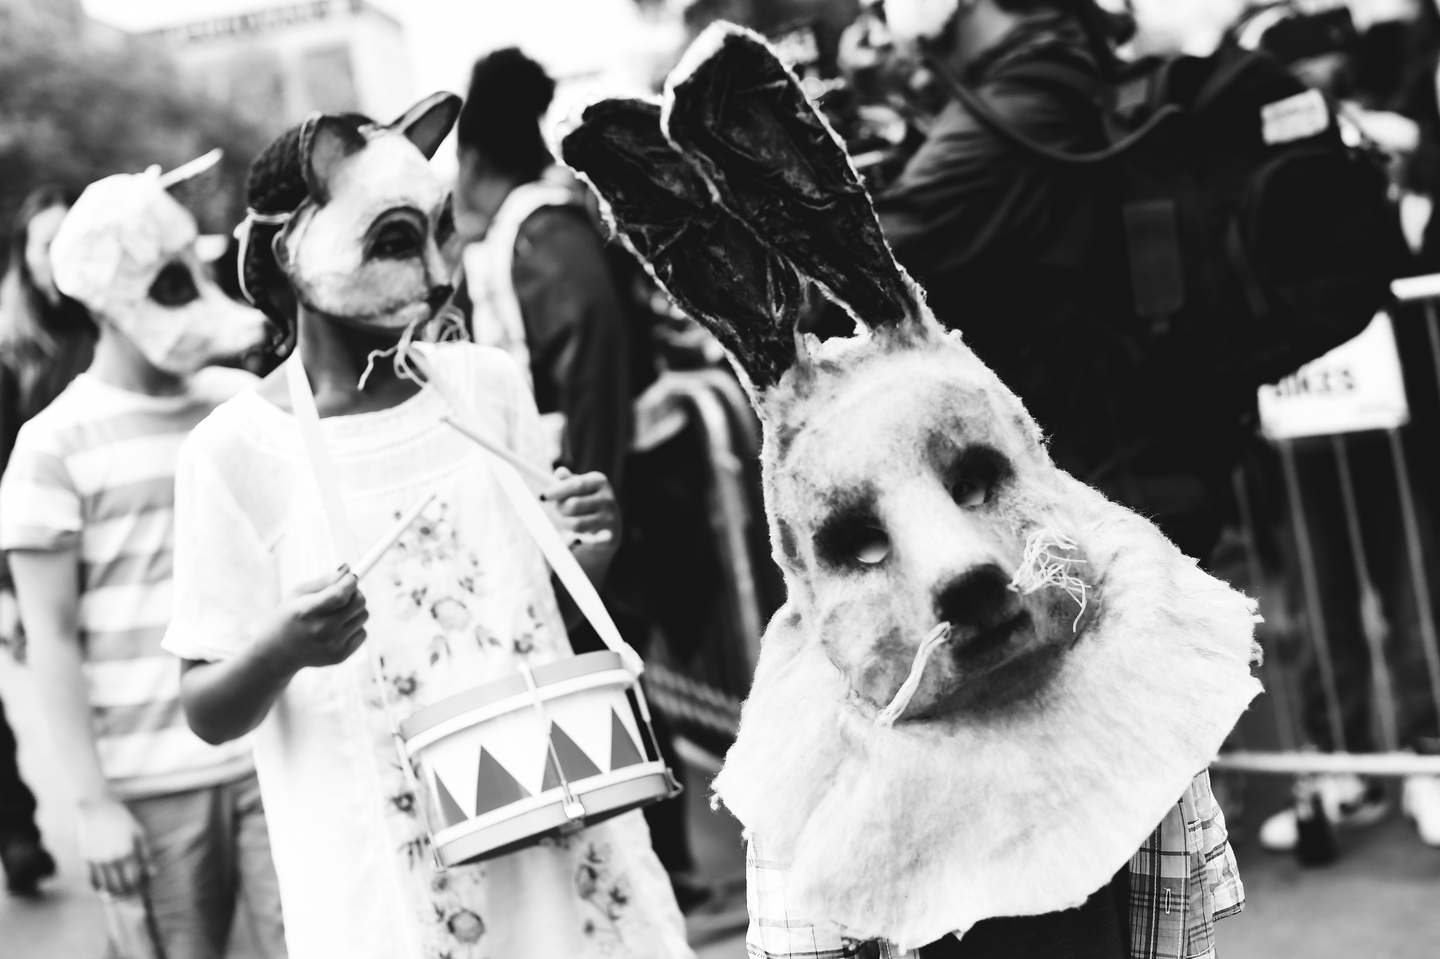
x: 278, y: 64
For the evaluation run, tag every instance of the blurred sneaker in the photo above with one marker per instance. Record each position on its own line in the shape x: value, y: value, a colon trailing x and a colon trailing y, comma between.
x: 1420, y: 800
x: 1349, y: 802
x: 26, y: 863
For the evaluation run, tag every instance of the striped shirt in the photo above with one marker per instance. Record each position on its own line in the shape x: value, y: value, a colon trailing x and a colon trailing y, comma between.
x: 1182, y: 880
x: 95, y: 472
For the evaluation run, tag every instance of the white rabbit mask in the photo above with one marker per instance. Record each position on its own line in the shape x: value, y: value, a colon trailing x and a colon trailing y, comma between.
x: 988, y: 684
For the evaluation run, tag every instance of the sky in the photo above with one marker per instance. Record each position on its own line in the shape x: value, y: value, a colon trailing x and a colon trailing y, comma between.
x: 570, y: 37
x: 602, y: 47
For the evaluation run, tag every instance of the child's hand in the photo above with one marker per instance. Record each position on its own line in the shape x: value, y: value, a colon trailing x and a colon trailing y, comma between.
x: 321, y: 624
x: 113, y: 845
x: 586, y: 506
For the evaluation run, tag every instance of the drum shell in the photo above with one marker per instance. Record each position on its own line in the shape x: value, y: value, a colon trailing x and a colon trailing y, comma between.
x: 505, y: 765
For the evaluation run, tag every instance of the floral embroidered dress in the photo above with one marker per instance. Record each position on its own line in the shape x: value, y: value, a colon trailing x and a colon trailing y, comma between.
x: 462, y: 599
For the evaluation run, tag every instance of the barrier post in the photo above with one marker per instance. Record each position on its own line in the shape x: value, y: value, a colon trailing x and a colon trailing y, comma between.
x: 1319, y: 636
x: 1372, y: 615
x: 1423, y: 606
x: 1276, y: 683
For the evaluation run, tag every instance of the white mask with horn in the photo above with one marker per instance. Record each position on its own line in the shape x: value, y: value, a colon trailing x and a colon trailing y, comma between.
x: 126, y: 250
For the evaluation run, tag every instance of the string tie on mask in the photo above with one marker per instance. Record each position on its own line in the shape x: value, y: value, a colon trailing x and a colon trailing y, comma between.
x: 940, y: 634
x: 1041, y: 565
x: 447, y: 326
x: 242, y: 233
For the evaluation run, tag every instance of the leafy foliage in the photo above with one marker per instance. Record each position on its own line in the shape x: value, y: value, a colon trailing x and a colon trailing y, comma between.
x: 74, y: 109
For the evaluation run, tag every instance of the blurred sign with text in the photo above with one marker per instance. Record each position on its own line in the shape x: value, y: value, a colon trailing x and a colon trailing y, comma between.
x: 1356, y: 386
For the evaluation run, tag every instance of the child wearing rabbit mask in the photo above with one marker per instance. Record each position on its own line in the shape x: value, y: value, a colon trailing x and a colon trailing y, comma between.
x: 343, y: 249
x: 988, y: 686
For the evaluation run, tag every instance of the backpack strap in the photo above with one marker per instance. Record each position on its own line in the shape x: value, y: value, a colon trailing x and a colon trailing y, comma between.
x: 1064, y: 76
x: 1088, y: 86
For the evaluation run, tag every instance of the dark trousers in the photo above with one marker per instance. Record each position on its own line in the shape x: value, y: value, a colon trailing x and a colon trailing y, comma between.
x: 17, y: 802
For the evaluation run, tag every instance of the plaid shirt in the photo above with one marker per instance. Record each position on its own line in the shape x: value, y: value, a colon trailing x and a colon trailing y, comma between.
x: 1181, y: 881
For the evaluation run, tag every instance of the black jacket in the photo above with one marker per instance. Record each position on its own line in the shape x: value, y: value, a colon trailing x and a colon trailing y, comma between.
x: 1003, y: 241
x: 1018, y: 253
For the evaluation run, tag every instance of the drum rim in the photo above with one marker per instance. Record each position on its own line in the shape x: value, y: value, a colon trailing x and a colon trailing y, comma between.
x: 610, y: 796
x: 495, y: 691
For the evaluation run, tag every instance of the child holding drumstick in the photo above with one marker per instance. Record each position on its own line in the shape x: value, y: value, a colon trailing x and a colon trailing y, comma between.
x: 342, y: 250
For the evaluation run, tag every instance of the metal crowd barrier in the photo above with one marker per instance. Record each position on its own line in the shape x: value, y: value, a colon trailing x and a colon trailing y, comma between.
x: 1293, y: 758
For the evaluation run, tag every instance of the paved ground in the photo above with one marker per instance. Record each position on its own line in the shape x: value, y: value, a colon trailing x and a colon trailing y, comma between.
x: 66, y: 923
x: 1380, y: 901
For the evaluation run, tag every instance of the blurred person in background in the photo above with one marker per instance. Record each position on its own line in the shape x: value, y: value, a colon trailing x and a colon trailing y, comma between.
x: 1366, y: 72
x: 1419, y: 101
x: 540, y: 283
x: 165, y: 821
x: 537, y: 284
x: 1011, y: 248
x: 46, y: 340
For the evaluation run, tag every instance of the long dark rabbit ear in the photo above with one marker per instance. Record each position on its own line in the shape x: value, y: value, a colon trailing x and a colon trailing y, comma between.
x: 712, y: 266
x: 741, y: 116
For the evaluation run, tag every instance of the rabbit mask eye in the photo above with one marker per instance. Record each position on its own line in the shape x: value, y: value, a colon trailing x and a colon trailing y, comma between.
x: 975, y: 476
x: 852, y: 539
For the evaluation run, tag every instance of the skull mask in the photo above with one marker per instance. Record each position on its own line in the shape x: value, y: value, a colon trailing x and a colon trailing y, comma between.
x: 988, y: 684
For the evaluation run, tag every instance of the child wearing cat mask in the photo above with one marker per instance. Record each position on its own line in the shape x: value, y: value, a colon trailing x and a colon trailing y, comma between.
x: 343, y: 249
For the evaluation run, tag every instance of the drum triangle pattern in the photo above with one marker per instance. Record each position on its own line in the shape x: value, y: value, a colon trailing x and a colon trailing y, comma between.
x: 494, y: 786
x: 622, y: 747
x: 552, y: 775
x: 573, y: 760
x: 450, y: 811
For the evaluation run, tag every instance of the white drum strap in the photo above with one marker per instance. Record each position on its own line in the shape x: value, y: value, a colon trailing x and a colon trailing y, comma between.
x: 342, y: 536
x: 528, y: 508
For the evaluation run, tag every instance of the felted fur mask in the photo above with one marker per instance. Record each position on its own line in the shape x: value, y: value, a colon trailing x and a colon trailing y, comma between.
x: 126, y: 250
x: 365, y: 246
x: 988, y: 684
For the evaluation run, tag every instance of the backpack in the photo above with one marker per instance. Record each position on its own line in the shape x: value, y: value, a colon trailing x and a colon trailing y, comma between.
x: 1255, y: 239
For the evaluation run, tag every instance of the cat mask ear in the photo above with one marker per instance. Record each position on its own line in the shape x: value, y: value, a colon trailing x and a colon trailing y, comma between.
x: 712, y: 266
x: 427, y: 123
x: 325, y: 142
x: 739, y: 114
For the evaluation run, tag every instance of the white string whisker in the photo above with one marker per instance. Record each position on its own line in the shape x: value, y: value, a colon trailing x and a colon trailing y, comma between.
x: 932, y: 641
x: 1042, y: 566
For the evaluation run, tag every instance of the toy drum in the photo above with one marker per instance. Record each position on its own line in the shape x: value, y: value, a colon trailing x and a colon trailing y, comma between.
x: 541, y: 753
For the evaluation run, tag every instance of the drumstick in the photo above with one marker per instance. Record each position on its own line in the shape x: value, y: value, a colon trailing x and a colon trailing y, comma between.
x: 368, y: 561
x: 529, y: 470
x: 534, y: 473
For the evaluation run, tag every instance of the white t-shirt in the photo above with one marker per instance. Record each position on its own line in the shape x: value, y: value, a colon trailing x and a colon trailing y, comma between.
x: 463, y: 597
